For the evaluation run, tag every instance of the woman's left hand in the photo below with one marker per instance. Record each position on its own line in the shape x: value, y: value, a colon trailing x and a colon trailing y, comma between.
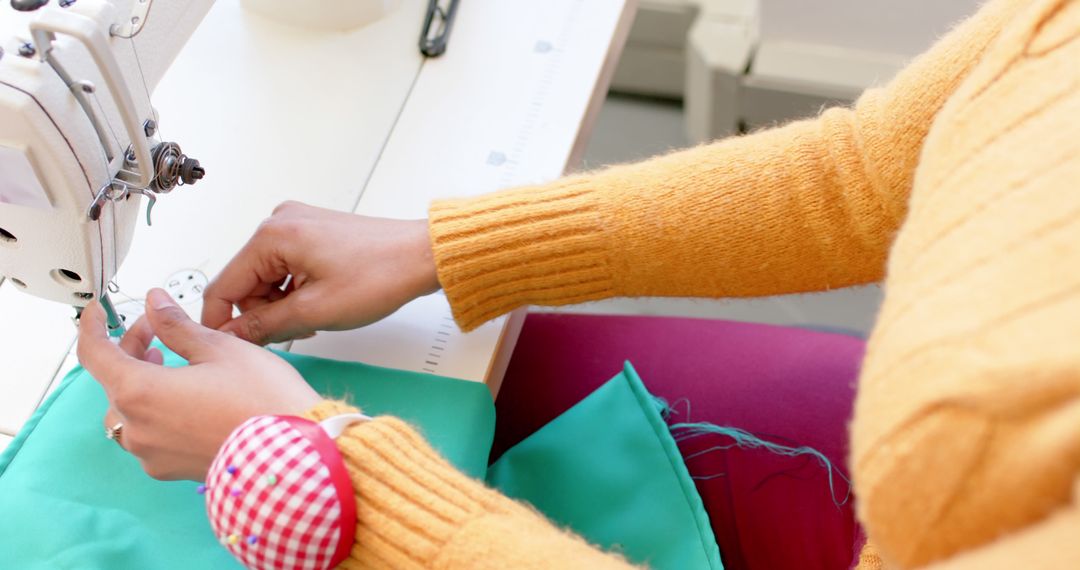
x: 175, y: 419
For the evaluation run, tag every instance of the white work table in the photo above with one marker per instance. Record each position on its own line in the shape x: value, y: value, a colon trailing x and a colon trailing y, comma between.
x: 357, y: 122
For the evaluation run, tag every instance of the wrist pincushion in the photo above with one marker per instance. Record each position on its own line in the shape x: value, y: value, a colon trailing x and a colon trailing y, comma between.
x: 279, y: 497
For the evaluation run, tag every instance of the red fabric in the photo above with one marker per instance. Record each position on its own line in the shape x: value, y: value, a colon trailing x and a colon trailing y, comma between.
x: 789, y: 386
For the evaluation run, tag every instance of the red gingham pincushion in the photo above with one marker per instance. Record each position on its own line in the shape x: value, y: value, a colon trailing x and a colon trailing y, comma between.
x: 279, y: 498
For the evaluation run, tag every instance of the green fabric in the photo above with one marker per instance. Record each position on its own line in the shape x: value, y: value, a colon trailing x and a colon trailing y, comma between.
x: 71, y: 499
x: 609, y: 469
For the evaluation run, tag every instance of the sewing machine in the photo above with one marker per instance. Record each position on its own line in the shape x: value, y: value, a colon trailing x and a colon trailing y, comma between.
x: 79, y: 139
x: 324, y: 101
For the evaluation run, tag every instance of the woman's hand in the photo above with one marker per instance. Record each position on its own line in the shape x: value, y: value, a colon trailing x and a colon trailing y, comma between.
x: 346, y: 271
x: 175, y: 419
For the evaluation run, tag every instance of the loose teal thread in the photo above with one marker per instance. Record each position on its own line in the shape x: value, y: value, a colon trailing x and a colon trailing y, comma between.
x: 667, y: 410
x: 662, y: 406
x: 709, y: 477
x: 674, y: 404
x: 746, y: 440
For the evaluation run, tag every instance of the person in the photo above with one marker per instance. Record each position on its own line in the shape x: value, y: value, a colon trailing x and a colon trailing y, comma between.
x: 956, y: 184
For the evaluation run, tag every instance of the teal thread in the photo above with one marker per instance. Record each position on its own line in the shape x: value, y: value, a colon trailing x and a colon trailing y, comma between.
x: 744, y: 440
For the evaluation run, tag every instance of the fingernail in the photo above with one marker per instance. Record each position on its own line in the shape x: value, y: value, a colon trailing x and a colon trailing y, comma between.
x: 159, y: 299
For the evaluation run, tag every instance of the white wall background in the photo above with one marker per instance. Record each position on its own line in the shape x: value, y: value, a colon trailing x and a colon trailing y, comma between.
x: 904, y: 27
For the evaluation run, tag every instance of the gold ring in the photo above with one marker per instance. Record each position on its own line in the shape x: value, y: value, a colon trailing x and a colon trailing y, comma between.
x: 113, y: 433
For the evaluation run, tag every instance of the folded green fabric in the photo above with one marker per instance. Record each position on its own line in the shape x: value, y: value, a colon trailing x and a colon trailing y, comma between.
x: 71, y: 499
x: 609, y: 469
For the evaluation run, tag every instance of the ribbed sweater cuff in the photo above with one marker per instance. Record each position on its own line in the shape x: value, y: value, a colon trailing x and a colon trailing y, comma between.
x: 410, y: 501
x: 534, y: 245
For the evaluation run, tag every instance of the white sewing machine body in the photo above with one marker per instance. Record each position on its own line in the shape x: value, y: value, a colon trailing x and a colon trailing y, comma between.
x: 78, y: 137
x: 356, y: 120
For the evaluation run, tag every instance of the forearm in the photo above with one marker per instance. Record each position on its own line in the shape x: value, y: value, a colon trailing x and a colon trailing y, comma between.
x: 748, y: 216
x: 809, y: 206
x: 416, y: 511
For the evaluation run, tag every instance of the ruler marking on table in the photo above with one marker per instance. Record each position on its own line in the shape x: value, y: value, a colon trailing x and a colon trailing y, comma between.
x: 540, y: 96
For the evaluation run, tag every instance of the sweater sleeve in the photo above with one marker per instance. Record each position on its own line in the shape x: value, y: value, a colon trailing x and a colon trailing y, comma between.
x: 415, y: 510
x: 809, y: 206
x: 1049, y: 543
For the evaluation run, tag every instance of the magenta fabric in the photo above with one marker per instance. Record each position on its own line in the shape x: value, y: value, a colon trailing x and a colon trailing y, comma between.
x: 786, y: 385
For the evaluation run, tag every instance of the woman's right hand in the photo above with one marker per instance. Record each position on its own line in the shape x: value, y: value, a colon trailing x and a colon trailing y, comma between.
x: 346, y: 271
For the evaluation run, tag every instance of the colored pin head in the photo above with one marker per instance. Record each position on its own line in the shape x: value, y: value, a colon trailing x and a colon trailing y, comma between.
x: 201, y: 489
x: 232, y: 469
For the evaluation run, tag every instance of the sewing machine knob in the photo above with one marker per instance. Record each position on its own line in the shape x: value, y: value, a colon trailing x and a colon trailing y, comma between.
x: 28, y: 5
x: 173, y: 167
x: 191, y: 171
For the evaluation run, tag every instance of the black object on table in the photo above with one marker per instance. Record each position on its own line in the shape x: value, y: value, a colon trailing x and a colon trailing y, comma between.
x: 437, y: 23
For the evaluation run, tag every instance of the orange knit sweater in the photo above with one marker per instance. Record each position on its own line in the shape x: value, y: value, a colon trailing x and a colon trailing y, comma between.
x: 958, y: 184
